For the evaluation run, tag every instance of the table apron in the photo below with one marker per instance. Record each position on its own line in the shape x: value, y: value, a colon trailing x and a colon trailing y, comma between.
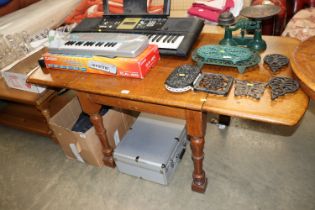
x: 139, y: 106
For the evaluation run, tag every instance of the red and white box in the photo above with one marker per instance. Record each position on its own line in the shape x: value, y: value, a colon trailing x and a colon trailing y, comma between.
x: 136, y: 67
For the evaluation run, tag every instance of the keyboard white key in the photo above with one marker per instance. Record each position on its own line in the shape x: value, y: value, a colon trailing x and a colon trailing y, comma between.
x: 166, y: 41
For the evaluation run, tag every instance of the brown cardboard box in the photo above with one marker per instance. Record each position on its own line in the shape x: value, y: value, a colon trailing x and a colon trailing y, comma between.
x: 15, y: 76
x: 86, y: 147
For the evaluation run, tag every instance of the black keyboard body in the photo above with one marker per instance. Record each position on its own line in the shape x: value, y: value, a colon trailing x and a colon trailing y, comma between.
x: 189, y: 27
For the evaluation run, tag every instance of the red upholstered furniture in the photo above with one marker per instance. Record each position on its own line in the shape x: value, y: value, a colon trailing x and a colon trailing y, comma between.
x: 297, y: 5
x: 300, y: 4
x: 15, y: 5
x: 276, y: 25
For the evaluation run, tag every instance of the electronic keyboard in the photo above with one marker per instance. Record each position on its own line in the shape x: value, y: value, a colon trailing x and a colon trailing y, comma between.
x: 102, y: 44
x: 173, y: 36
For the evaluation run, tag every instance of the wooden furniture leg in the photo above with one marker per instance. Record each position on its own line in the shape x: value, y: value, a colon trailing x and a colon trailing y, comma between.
x: 196, y: 127
x: 46, y: 114
x: 93, y: 109
x: 42, y: 106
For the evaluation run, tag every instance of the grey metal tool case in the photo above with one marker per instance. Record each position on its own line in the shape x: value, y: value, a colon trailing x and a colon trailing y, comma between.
x: 152, y: 149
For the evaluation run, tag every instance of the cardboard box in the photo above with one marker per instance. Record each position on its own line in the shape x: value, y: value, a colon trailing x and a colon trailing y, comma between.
x: 15, y: 76
x: 86, y: 147
x: 136, y: 67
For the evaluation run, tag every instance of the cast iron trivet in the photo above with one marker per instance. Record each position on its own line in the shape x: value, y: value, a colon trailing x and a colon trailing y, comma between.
x: 232, y: 56
x: 276, y: 61
x: 214, y: 83
x: 282, y: 85
x: 182, y: 78
x: 251, y: 89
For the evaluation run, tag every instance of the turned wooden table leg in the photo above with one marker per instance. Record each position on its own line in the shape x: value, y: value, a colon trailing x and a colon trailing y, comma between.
x: 47, y: 116
x: 93, y: 109
x: 196, y: 127
x: 42, y: 106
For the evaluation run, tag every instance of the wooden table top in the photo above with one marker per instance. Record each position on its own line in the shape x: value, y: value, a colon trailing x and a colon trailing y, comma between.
x: 303, y: 65
x: 286, y: 110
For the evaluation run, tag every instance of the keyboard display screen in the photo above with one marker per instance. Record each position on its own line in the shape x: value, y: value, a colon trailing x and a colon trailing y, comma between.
x: 114, y: 23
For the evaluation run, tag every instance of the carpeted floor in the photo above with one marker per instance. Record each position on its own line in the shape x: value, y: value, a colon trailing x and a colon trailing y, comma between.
x: 249, y: 166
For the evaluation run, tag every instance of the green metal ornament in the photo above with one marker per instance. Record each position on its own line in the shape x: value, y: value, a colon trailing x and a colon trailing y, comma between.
x: 254, y: 15
x: 231, y: 56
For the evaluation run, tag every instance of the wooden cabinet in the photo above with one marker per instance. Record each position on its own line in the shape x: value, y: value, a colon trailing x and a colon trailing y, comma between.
x: 30, y: 111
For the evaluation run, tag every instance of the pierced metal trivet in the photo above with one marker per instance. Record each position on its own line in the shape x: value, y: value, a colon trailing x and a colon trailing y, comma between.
x: 231, y: 56
x: 282, y: 85
x: 251, y: 89
x: 182, y: 78
x: 276, y: 61
x: 219, y: 84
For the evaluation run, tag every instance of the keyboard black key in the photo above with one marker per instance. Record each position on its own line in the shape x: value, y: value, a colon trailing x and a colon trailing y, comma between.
x: 88, y: 43
x: 69, y: 43
x: 79, y: 43
x: 155, y: 38
x: 170, y: 38
x: 98, y: 44
x: 166, y: 37
x: 175, y: 38
x: 161, y: 36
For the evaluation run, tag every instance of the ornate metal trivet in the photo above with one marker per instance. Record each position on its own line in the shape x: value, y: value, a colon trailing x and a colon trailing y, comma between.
x: 214, y: 83
x: 182, y: 78
x: 276, y: 61
x: 282, y: 85
x: 251, y: 89
x: 232, y: 56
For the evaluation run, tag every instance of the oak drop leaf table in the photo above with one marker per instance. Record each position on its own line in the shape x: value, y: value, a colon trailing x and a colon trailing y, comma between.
x: 149, y: 95
x: 303, y: 65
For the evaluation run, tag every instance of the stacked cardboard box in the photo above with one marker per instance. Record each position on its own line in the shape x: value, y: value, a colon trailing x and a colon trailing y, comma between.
x: 86, y: 147
x: 15, y: 75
